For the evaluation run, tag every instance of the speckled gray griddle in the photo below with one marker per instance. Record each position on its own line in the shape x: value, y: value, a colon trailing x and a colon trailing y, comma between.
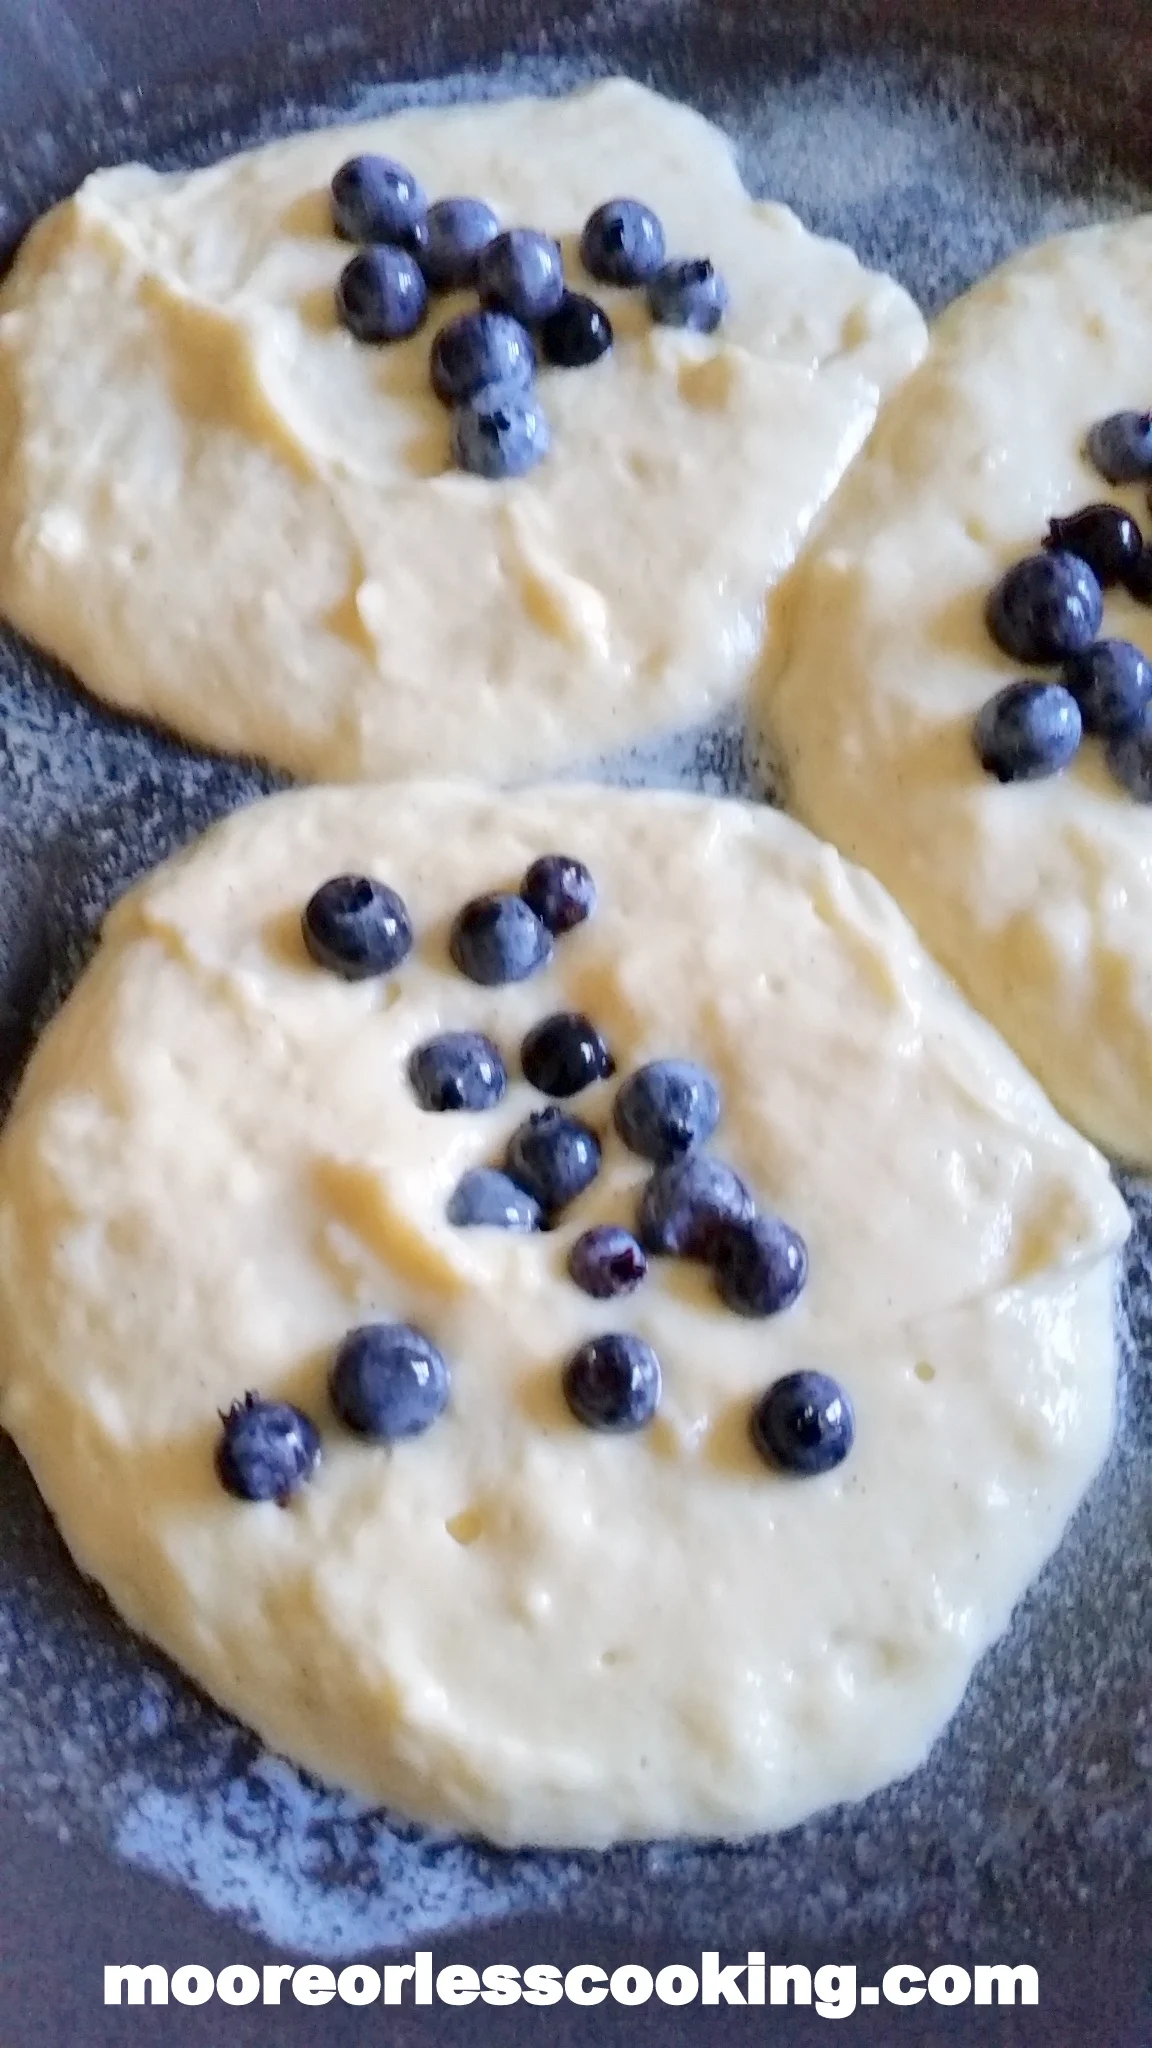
x: 1031, y: 1827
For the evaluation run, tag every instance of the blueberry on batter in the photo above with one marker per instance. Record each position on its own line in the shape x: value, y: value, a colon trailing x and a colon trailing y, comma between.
x: 1111, y: 682
x: 804, y: 1424
x: 522, y: 273
x: 760, y: 1266
x: 500, y: 432
x: 357, y: 927
x: 267, y: 1450
x: 381, y: 295
x: 496, y: 939
x: 458, y: 1070
x: 564, y: 1054
x: 375, y: 199
x: 579, y: 332
x: 622, y: 242
x: 1121, y: 447
x: 1027, y: 730
x: 486, y: 1199
x: 456, y: 230
x: 666, y: 1108
x: 607, y: 1261
x: 1104, y: 536
x: 554, y: 1157
x: 1129, y: 758
x: 560, y: 890
x: 388, y: 1381
x: 686, y: 1205
x: 477, y: 350
x: 688, y: 293
x: 613, y: 1383
x: 1045, y: 607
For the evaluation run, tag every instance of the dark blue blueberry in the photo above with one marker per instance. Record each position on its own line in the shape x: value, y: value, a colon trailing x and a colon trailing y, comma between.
x: 622, y: 242
x: 1138, y: 581
x: 607, y: 1261
x: 381, y: 295
x: 1104, y: 536
x: 554, y: 1157
x: 1027, y: 730
x: 560, y: 890
x: 804, y: 1424
x: 496, y: 939
x: 377, y: 200
x: 564, y: 1054
x: 456, y: 231
x: 688, y: 293
x: 388, y: 1381
x: 486, y: 1198
x: 522, y: 273
x: 1121, y: 447
x: 760, y: 1266
x: 1045, y: 607
x: 499, y: 433
x: 667, y: 1108
x: 267, y: 1450
x: 687, y: 1205
x: 1111, y: 682
x: 1129, y: 758
x: 357, y: 927
x: 579, y: 332
x: 613, y: 1382
x: 459, y: 1070
x: 477, y: 350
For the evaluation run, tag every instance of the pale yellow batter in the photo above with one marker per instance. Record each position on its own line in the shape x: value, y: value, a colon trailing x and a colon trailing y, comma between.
x: 228, y: 515
x: 1037, y: 896
x: 215, y: 1167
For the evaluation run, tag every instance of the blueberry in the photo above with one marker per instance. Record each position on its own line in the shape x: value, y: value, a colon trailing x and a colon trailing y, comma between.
x: 579, y: 332
x: 565, y: 1054
x: 460, y: 1070
x: 381, y: 295
x: 388, y: 1381
x: 1129, y: 757
x: 622, y: 242
x: 456, y: 230
x: 804, y: 1423
x: 356, y: 927
x: 607, y: 1261
x: 761, y: 1266
x: 1027, y: 730
x: 560, y: 890
x: 666, y: 1108
x: 479, y: 349
x: 1104, y: 536
x: 1121, y: 447
x: 553, y: 1157
x: 688, y: 293
x: 522, y: 273
x: 267, y: 1450
x: 1045, y: 607
x: 687, y: 1205
x: 499, y: 433
x: 1138, y: 581
x: 1111, y: 682
x: 496, y: 939
x: 613, y: 1382
x: 377, y: 200
x: 486, y: 1198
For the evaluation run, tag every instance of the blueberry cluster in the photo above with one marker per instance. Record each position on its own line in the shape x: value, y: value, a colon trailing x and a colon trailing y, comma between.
x: 1048, y: 609
x: 388, y: 1381
x: 483, y: 362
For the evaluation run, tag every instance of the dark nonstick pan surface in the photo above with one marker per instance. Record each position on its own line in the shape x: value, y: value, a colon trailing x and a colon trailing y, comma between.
x: 136, y: 1822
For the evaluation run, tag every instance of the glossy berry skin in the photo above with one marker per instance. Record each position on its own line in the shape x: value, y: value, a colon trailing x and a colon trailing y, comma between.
x: 666, y: 1108
x: 622, y: 243
x: 607, y: 1261
x: 1045, y: 607
x: 375, y: 199
x: 381, y: 295
x: 267, y: 1450
x: 459, y: 1070
x: 486, y: 1199
x: 688, y: 293
x: 553, y: 1157
x: 578, y: 333
x: 760, y: 1267
x: 356, y: 927
x: 1129, y: 758
x: 613, y: 1383
x: 456, y: 230
x: 560, y: 890
x: 497, y: 939
x: 1112, y: 682
x: 1138, y: 581
x: 564, y: 1054
x: 500, y: 433
x: 804, y: 1424
x: 1027, y: 731
x: 388, y: 1382
x: 477, y: 350
x: 522, y: 273
x: 1121, y: 447
x: 686, y: 1207
x: 1104, y: 536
